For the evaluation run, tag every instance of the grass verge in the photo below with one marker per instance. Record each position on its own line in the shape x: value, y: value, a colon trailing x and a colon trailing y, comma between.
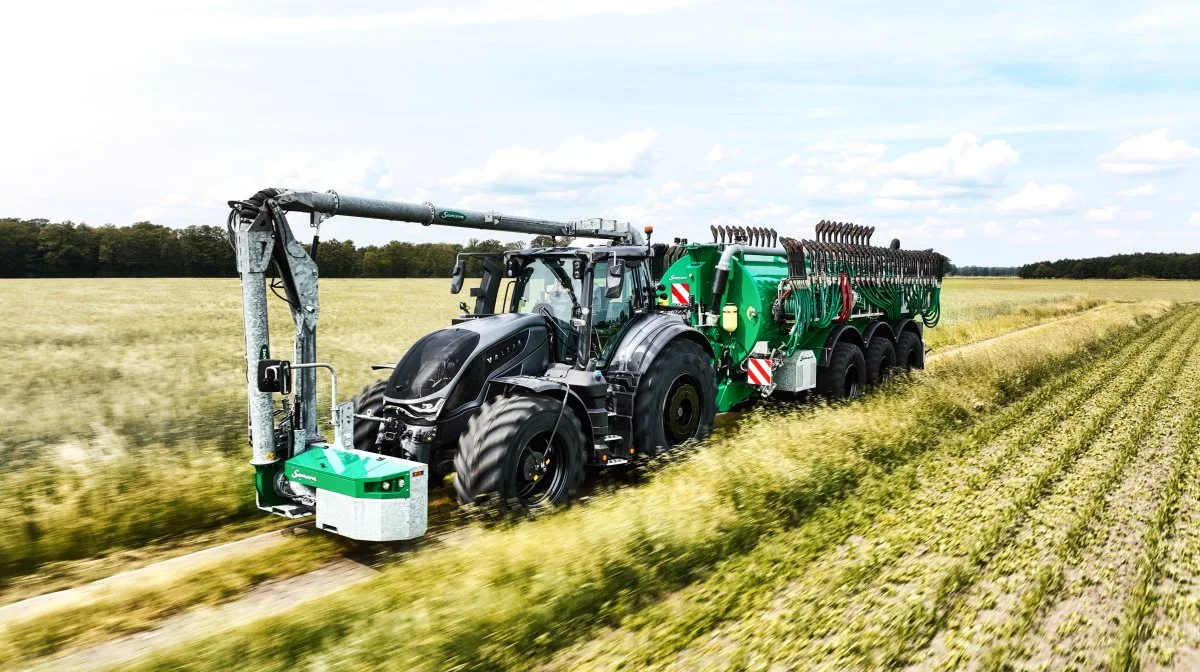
x: 122, y: 609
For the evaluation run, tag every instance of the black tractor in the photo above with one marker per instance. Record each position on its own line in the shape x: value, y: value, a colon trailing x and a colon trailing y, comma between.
x: 581, y: 367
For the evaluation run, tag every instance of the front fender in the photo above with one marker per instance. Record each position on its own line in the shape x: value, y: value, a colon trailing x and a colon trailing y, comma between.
x: 549, y: 388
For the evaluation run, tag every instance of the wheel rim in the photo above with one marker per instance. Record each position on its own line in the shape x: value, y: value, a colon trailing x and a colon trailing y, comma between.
x: 682, y: 410
x: 540, y: 469
x: 851, y: 388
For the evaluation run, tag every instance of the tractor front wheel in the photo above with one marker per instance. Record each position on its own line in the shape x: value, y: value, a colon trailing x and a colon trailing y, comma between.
x: 846, y: 375
x: 676, y: 399
x: 513, y: 459
x: 368, y: 402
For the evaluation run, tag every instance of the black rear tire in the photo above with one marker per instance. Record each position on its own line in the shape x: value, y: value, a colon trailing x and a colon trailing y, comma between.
x: 881, y: 359
x: 846, y: 375
x: 676, y: 400
x: 506, y: 460
x: 370, y: 402
x: 910, y: 351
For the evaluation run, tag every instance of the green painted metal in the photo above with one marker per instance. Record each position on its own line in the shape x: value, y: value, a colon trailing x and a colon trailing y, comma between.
x: 759, y: 286
x: 264, y: 477
x: 361, y: 475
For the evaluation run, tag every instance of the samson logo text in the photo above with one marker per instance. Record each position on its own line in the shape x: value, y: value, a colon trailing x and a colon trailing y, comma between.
x: 296, y: 473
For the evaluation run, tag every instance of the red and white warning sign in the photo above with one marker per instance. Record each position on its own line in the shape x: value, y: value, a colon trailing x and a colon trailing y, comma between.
x: 680, y: 293
x: 758, y: 371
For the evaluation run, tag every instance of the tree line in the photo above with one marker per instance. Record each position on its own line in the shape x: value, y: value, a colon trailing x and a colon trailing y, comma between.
x: 38, y: 248
x: 1164, y: 265
x: 978, y: 271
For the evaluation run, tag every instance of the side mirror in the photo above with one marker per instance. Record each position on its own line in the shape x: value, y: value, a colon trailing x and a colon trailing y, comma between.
x: 275, y: 375
x: 615, y: 280
x: 456, y: 277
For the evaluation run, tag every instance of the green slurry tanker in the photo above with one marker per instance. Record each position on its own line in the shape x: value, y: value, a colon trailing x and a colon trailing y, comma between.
x: 570, y: 357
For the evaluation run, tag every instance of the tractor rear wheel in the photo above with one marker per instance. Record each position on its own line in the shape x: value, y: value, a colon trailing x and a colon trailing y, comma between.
x: 846, y: 375
x: 508, y: 458
x: 881, y: 359
x: 370, y: 402
x: 910, y: 351
x: 676, y: 399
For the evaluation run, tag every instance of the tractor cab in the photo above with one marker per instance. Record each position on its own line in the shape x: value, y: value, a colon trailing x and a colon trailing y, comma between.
x: 587, y: 295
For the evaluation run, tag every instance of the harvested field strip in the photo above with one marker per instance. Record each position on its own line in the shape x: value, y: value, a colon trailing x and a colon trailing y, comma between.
x: 1025, y: 577
x: 741, y: 586
x: 822, y: 593
x: 547, y: 583
x: 1162, y: 625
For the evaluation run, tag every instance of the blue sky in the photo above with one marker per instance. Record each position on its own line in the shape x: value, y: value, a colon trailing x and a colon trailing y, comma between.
x: 998, y: 133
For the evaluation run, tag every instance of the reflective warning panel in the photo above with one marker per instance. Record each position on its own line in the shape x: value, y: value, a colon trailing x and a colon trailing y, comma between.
x: 758, y: 371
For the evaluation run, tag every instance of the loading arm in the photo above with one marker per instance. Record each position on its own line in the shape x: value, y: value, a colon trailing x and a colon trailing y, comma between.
x: 261, y: 236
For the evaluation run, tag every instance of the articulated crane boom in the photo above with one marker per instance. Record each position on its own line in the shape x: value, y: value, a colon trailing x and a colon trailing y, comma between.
x: 261, y: 236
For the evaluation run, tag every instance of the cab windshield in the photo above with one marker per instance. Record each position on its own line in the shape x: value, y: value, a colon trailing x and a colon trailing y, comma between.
x: 547, y: 288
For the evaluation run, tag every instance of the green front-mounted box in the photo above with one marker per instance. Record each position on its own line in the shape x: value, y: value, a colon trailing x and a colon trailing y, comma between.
x: 352, y: 473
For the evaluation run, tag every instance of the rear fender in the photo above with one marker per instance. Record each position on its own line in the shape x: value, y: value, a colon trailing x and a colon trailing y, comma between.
x: 648, y: 337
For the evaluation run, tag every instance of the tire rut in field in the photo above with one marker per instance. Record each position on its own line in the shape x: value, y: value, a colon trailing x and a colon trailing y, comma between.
x: 988, y: 628
x: 690, y: 617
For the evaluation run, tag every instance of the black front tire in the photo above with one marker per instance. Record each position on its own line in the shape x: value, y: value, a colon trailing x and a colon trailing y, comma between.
x: 910, y: 351
x: 676, y: 400
x: 369, y: 402
x: 881, y: 359
x: 846, y: 375
x: 507, y: 461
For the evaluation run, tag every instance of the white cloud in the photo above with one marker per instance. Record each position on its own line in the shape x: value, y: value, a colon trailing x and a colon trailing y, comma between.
x: 1034, y: 198
x: 962, y: 160
x: 364, y: 173
x: 992, y: 229
x: 735, y: 184
x: 1153, y: 153
x: 715, y: 155
x: 1195, y: 220
x: 1108, y: 233
x: 576, y: 162
x: 1142, y: 216
x: 1105, y: 214
x: 906, y: 205
x: 894, y: 188
x: 1136, y: 192
x: 790, y: 160
x: 827, y: 189
x: 832, y: 156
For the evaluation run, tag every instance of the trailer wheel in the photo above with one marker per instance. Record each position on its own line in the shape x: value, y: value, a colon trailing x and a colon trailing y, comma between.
x: 846, y: 375
x: 910, y: 351
x: 369, y: 401
x: 507, y: 459
x: 676, y: 400
x: 881, y: 359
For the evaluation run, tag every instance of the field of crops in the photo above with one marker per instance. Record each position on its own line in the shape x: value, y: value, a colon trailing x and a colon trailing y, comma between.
x: 1028, y: 503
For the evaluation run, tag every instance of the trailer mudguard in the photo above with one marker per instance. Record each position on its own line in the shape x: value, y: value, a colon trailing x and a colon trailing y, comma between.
x: 878, y: 326
x: 908, y: 324
x: 842, y: 332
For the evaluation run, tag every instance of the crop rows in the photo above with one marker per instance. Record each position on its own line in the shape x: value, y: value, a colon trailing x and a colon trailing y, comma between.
x: 994, y: 542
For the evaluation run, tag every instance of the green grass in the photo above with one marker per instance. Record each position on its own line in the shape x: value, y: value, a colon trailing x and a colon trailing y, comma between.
x: 520, y: 594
